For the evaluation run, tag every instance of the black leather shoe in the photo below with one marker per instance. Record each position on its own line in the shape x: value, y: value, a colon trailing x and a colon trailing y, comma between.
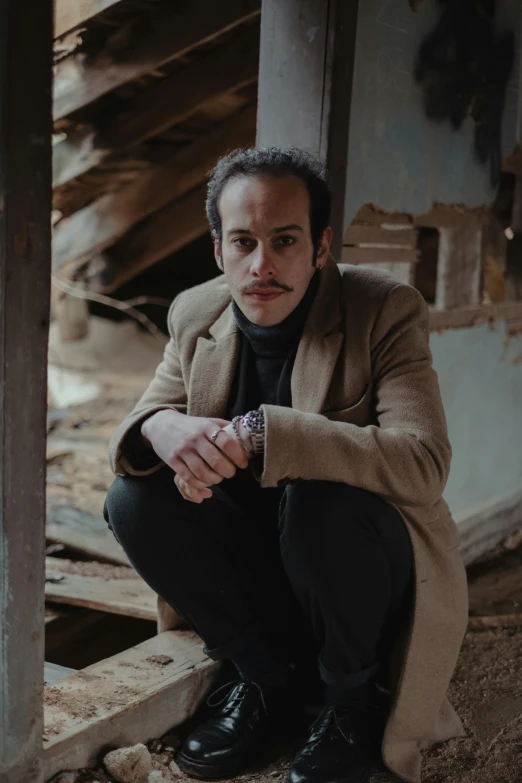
x: 227, y: 743
x: 337, y: 751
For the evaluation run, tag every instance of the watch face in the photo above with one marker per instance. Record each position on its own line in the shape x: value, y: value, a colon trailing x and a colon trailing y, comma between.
x: 255, y: 421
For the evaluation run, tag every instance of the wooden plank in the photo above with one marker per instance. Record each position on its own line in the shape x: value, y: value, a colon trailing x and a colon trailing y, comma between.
x: 69, y: 14
x: 110, y: 592
x: 169, y: 31
x: 53, y: 673
x: 101, y: 223
x: 376, y: 236
x: 464, y: 317
x: 363, y: 255
x: 172, y: 228
x: 305, y: 98
x: 76, y: 154
x: 223, y: 70
x: 84, y: 532
x: 132, y: 697
x: 181, y: 221
x: 459, y: 271
x: 26, y: 31
x: 174, y: 99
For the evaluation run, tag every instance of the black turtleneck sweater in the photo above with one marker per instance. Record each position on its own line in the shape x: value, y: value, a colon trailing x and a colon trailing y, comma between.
x: 267, y: 356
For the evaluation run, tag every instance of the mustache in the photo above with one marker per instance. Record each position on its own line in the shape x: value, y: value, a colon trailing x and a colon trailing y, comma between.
x: 266, y: 286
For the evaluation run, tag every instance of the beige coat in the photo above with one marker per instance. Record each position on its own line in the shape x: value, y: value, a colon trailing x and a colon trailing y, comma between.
x: 366, y: 412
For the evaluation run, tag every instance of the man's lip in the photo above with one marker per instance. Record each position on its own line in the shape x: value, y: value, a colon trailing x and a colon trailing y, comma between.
x: 264, y: 294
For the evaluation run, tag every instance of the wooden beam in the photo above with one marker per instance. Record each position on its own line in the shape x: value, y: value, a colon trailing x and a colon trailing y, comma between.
x: 176, y: 98
x: 305, y: 98
x: 106, y: 588
x: 178, y: 223
x: 84, y: 532
x: 25, y: 251
x: 101, y: 223
x: 222, y: 71
x: 69, y: 14
x: 169, y: 230
x: 132, y: 697
x: 376, y: 255
x: 76, y: 154
x: 53, y: 673
x: 169, y: 31
x: 376, y: 236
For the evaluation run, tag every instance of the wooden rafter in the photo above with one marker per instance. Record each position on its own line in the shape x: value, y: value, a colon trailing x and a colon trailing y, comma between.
x: 169, y: 230
x: 169, y: 31
x: 69, y: 14
x: 101, y: 223
x: 222, y: 71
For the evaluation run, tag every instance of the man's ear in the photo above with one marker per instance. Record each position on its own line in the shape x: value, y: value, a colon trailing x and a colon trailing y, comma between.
x: 217, y: 252
x: 323, y: 250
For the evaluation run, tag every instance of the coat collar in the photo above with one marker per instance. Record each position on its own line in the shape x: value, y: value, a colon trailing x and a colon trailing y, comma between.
x: 216, y: 358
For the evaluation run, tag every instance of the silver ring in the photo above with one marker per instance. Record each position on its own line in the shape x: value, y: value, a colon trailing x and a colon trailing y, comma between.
x: 214, y: 435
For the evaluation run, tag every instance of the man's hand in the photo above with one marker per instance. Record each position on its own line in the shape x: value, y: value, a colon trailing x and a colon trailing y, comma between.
x: 183, y: 443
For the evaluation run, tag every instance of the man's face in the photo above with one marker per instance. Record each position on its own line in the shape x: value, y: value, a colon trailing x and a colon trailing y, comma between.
x: 267, y: 251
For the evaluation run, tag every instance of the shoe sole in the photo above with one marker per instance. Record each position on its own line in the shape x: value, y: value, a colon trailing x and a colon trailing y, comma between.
x: 196, y: 769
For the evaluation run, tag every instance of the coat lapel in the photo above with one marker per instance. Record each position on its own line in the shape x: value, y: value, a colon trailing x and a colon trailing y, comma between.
x: 320, y: 344
x: 213, y: 368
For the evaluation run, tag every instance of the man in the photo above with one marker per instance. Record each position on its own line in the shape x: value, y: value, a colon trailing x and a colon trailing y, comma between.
x: 280, y: 487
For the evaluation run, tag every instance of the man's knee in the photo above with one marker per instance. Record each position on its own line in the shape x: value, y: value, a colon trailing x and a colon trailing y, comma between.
x: 130, y: 499
x: 312, y: 509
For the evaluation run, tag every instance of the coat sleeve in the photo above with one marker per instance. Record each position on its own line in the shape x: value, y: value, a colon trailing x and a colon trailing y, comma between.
x: 405, y: 456
x: 166, y: 391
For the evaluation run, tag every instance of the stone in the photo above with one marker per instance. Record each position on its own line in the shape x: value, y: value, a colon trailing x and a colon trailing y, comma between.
x: 129, y: 765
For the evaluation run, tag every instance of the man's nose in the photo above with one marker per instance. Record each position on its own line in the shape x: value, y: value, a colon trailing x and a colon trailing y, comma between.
x: 262, y: 262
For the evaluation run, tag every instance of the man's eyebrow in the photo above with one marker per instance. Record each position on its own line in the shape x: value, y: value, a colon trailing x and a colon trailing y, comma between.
x: 279, y: 230
x: 290, y: 227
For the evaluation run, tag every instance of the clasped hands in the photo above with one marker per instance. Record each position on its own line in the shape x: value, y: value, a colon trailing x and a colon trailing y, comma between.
x: 183, y: 443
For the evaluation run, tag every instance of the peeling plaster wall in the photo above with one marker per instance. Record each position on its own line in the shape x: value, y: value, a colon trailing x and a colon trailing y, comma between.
x: 480, y: 376
x: 399, y: 159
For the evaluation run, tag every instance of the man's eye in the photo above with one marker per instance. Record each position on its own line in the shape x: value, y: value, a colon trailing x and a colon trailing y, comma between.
x: 243, y: 242
x: 285, y: 241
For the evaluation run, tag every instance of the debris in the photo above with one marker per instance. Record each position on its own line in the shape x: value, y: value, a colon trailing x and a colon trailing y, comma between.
x: 65, y: 777
x: 155, y: 777
x: 159, y: 660
x: 175, y: 769
x: 129, y: 765
x: 68, y: 388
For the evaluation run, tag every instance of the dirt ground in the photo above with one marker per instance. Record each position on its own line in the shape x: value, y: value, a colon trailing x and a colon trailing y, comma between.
x: 487, y: 686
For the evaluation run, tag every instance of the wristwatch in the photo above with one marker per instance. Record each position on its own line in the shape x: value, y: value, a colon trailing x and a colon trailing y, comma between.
x: 254, y: 422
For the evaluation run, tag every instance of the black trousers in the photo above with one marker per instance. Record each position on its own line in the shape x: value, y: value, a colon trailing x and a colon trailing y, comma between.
x: 318, y: 568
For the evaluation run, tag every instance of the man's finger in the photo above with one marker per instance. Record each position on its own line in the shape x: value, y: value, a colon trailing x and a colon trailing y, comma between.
x: 183, y: 470
x: 215, y: 458
x: 201, y: 470
x: 230, y: 445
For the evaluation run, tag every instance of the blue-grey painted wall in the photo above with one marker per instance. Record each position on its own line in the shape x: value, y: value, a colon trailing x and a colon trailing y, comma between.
x: 480, y: 376
x: 398, y: 159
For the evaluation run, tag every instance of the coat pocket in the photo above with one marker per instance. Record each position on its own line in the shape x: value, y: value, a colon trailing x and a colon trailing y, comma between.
x: 360, y: 412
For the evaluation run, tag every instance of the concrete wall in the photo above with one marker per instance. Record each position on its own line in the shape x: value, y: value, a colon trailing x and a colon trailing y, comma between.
x: 398, y: 158
x: 480, y: 375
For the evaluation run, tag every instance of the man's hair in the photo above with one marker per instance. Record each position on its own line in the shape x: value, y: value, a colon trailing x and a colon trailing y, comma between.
x: 272, y: 162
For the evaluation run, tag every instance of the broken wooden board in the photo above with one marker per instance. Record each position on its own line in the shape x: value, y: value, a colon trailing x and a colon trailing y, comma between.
x: 132, y: 697
x: 53, y: 673
x: 84, y: 532
x: 107, y: 590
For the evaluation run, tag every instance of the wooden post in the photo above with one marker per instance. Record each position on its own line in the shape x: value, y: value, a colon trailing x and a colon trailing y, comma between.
x: 305, y: 85
x: 25, y: 236
x: 459, y: 273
